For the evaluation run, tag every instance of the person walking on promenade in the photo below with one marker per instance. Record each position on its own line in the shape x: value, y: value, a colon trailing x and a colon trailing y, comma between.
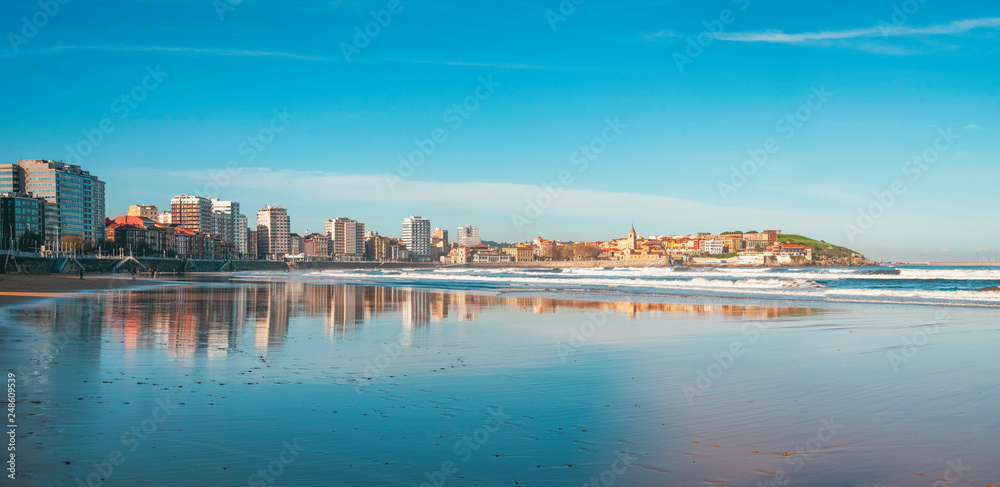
x: 80, y: 270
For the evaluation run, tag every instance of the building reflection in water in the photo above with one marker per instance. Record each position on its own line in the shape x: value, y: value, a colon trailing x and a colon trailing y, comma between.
x: 211, y: 319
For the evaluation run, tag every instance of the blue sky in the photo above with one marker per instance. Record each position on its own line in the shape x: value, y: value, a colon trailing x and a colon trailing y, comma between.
x: 894, y: 74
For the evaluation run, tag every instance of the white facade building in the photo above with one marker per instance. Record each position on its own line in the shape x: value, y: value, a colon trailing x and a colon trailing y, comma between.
x: 228, y: 217
x: 417, y: 237
x: 468, y: 236
x: 241, y: 234
x: 712, y: 246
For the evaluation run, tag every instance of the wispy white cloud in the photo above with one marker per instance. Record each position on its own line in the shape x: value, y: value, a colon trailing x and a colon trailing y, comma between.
x: 663, y: 34
x: 485, y: 201
x: 211, y: 51
x: 481, y: 64
x: 886, y: 30
x: 576, y: 214
x: 972, y: 126
x: 175, y: 49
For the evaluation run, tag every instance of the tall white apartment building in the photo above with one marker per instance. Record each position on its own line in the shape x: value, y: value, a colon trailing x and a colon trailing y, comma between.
x: 417, y: 237
x: 229, y: 219
x: 242, y: 246
x: 468, y: 236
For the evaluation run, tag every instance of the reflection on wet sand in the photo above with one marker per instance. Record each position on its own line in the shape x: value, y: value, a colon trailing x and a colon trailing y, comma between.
x: 210, y: 319
x: 333, y: 367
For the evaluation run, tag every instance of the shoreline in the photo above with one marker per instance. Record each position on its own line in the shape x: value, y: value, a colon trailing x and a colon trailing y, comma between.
x: 17, y: 289
x: 555, y: 264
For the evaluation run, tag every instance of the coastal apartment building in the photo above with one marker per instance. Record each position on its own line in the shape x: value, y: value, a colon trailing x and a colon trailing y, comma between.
x: 213, y: 217
x: 227, y: 218
x: 22, y: 221
x: 144, y: 211
x: 417, y: 237
x: 75, y: 197
x: 273, y: 235
x: 141, y: 236
x: 712, y: 246
x: 441, y: 237
x: 316, y: 246
x: 242, y: 238
x: 378, y: 248
x: 347, y: 238
x: 468, y: 236
x: 192, y: 213
x: 521, y: 253
x: 762, y: 239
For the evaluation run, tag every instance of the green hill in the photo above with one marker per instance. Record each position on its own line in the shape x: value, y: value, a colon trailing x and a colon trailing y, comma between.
x: 820, y: 248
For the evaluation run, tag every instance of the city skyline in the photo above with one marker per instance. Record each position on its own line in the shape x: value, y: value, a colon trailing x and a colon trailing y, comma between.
x: 859, y: 89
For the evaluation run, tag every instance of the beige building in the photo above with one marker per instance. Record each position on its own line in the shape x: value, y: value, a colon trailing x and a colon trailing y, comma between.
x: 520, y: 254
x: 458, y: 255
x: 733, y: 242
x: 347, y: 238
x: 143, y: 211
x: 273, y: 236
x: 754, y: 240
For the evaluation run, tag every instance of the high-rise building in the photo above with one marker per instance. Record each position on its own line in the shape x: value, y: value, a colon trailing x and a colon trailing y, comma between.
x: 12, y: 178
x: 252, y: 244
x: 441, y: 236
x: 468, y: 236
x: 347, y: 238
x: 417, y: 237
x: 144, y: 211
x: 75, y: 197
x: 229, y: 219
x: 241, y: 234
x: 22, y: 221
x: 273, y: 236
x: 193, y: 213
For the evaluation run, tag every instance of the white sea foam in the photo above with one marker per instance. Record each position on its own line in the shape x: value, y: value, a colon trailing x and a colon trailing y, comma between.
x: 839, y: 284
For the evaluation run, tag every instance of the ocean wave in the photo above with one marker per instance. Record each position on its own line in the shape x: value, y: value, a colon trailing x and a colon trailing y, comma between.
x: 835, y: 284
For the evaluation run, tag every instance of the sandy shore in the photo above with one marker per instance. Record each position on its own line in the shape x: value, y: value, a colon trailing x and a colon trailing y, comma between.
x: 382, y: 386
x: 18, y: 288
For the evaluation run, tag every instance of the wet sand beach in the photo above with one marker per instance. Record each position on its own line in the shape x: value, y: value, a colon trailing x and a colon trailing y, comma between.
x: 21, y: 288
x: 275, y: 383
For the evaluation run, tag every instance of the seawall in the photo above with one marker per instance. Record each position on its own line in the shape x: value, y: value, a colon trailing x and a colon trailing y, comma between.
x: 47, y: 265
